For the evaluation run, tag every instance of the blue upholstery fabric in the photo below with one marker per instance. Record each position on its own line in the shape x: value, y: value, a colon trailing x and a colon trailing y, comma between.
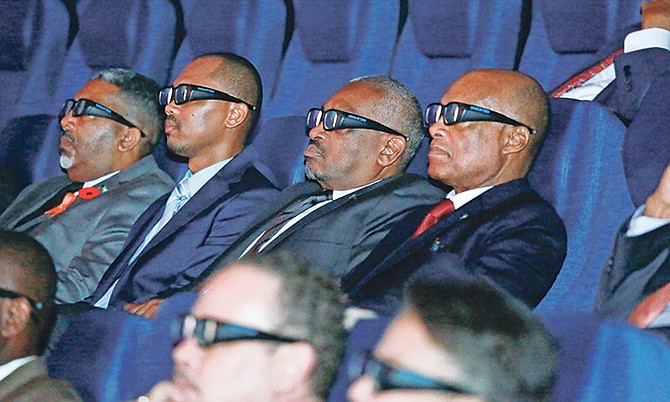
x: 254, y: 29
x: 603, y: 360
x: 155, y: 350
x: 333, y: 43
x: 579, y: 170
x: 565, y: 34
x: 281, y: 142
x: 442, y: 40
x: 110, y: 356
x: 33, y: 40
x: 96, y: 349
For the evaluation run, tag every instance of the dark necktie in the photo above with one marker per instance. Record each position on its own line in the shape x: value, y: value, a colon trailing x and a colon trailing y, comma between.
x: 290, y: 212
x: 433, y: 216
x: 52, y: 202
x: 579, y: 79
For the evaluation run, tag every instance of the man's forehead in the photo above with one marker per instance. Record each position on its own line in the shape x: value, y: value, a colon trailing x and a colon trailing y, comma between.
x: 355, y: 97
x: 100, y: 91
x: 242, y: 295
x: 201, y: 72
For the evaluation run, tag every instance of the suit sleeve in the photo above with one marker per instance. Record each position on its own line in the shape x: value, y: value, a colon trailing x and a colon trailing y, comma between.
x: 81, y: 276
x: 637, y: 267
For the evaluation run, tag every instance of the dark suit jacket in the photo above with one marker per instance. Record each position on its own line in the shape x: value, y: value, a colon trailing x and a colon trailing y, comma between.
x: 339, y: 235
x: 640, y: 95
x: 31, y: 382
x: 509, y: 235
x: 638, y: 267
x: 86, y: 238
x: 204, y: 228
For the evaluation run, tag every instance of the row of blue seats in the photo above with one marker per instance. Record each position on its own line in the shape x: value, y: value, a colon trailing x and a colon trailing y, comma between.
x: 303, y: 49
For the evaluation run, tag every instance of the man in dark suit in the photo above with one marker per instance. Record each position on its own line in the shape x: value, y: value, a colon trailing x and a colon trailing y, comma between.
x: 640, y: 262
x: 361, y: 140
x: 211, y: 107
x: 485, y: 131
x: 28, y: 285
x: 635, y: 87
x: 109, y: 131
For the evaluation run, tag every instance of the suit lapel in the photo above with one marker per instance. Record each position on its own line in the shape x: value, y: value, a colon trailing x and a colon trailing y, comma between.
x: 331, y: 206
x: 439, y: 235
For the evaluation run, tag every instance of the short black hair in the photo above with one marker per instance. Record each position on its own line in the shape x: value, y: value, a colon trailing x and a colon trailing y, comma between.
x: 504, y: 351
x: 310, y: 302
x: 38, y: 280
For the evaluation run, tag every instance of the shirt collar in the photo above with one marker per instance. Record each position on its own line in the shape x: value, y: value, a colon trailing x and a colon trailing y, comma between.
x: 463, y: 198
x: 92, y: 183
x: 341, y: 193
x: 197, y: 180
x: 8, y: 368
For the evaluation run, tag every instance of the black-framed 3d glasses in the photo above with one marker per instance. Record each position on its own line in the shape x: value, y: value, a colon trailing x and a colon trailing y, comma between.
x: 208, y: 332
x: 186, y: 93
x: 457, y: 112
x: 388, y: 378
x: 10, y: 294
x: 334, y: 119
x: 85, y: 106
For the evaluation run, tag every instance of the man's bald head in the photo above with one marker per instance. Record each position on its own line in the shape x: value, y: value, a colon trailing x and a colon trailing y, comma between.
x: 238, y: 77
x: 513, y: 94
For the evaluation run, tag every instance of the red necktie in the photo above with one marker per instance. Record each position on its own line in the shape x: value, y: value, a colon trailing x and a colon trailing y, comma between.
x: 443, y: 208
x: 579, y: 79
x: 649, y: 308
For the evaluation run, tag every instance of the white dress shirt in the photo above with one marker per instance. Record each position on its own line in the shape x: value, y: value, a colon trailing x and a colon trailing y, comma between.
x: 10, y: 367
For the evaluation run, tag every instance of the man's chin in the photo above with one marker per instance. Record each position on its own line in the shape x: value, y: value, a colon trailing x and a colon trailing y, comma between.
x: 66, y: 161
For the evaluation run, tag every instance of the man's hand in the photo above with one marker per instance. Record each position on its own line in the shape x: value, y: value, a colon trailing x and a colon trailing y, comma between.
x: 655, y: 14
x: 658, y: 203
x: 147, y: 309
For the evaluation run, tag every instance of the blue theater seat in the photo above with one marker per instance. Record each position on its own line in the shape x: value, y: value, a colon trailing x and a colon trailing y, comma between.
x: 111, y: 356
x: 253, y: 29
x: 566, y: 34
x: 442, y: 40
x: 33, y: 42
x: 579, y: 170
x: 604, y: 361
x: 331, y: 44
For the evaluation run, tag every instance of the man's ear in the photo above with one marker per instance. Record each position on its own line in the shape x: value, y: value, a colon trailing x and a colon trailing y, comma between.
x: 293, y: 368
x: 15, y: 316
x: 238, y: 115
x: 515, y: 139
x: 393, y: 149
x: 129, y: 139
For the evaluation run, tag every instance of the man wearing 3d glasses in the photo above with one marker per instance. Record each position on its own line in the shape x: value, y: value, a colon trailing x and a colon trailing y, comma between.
x: 27, y: 288
x: 211, y: 107
x: 109, y: 130
x: 268, y: 328
x: 461, y: 340
x: 361, y: 140
x: 485, y: 131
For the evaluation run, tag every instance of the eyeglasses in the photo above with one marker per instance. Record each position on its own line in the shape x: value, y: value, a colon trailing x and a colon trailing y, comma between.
x: 457, y: 112
x: 334, y: 119
x: 389, y: 378
x: 86, y: 106
x: 208, y: 332
x: 9, y: 294
x: 186, y: 93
